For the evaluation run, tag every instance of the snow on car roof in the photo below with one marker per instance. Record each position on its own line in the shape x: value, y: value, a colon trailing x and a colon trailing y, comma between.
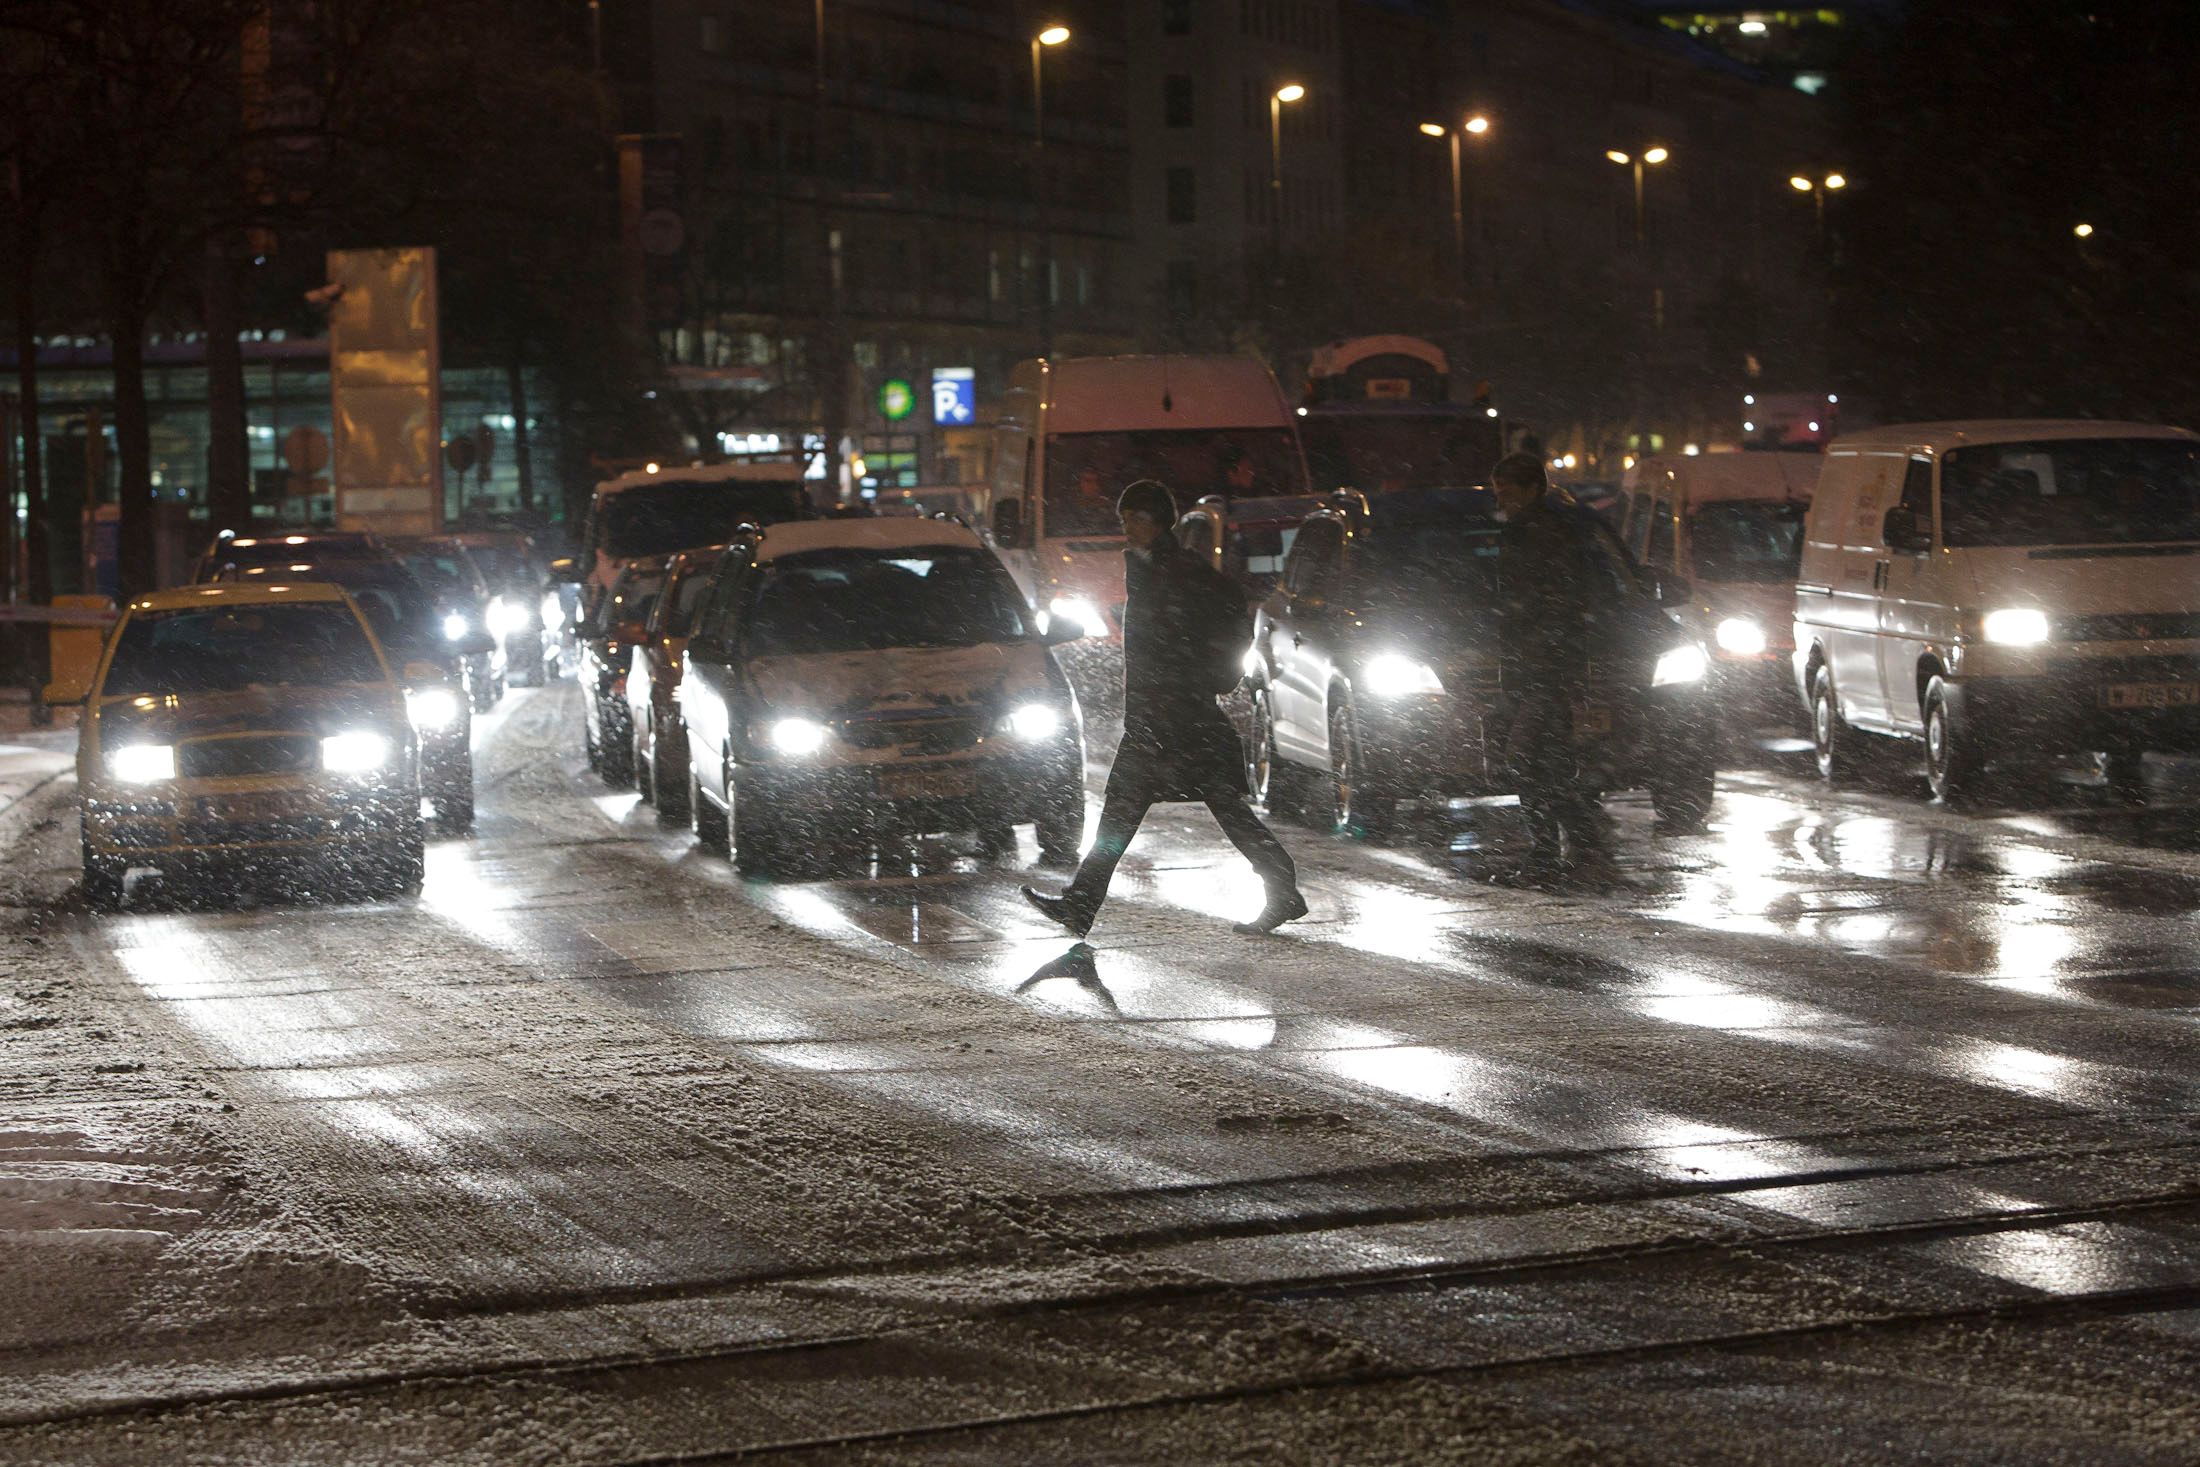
x: 236, y: 593
x: 729, y: 473
x: 887, y: 532
x: 1941, y: 436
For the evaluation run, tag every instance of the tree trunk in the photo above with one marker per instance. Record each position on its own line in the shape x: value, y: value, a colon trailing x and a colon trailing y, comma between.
x: 522, y: 460
x: 135, y: 569
x: 228, y: 461
x: 38, y: 565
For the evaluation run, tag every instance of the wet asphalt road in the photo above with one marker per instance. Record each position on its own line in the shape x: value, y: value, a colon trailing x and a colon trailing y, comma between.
x: 1852, y: 1129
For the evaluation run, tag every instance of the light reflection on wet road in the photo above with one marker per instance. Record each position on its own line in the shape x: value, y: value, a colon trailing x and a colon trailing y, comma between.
x: 593, y: 1064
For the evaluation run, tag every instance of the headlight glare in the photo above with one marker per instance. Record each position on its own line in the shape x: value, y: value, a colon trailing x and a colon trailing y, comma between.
x: 1034, y: 722
x: 1740, y: 636
x: 358, y: 752
x: 1684, y: 664
x: 798, y: 736
x: 432, y: 708
x: 505, y: 618
x: 1394, y: 675
x: 1080, y: 611
x: 143, y: 763
x: 2016, y: 626
x: 552, y: 610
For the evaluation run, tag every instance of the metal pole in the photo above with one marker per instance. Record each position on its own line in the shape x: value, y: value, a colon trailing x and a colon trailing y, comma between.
x: 1458, y: 217
x: 1638, y: 201
x: 1039, y: 194
x: 1275, y: 185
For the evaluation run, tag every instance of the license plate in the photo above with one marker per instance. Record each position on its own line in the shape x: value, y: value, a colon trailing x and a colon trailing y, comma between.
x: 927, y: 784
x: 1592, y: 720
x: 271, y: 806
x: 2151, y: 695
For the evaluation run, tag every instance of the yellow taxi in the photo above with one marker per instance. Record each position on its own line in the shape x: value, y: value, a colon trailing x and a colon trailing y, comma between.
x: 239, y: 723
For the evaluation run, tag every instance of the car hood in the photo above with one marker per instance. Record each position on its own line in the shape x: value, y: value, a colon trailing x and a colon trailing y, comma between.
x: 319, y: 710
x: 2078, y: 582
x: 838, y: 684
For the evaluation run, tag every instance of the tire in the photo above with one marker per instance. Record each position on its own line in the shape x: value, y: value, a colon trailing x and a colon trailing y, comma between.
x: 1955, y: 764
x: 484, y: 690
x: 1682, y: 797
x: 615, y: 762
x: 712, y: 830
x: 2126, y: 773
x: 1834, y: 743
x: 453, y: 799
x: 645, y: 778
x: 1358, y: 805
x: 103, y: 881
x: 668, y: 790
x: 757, y: 848
x: 402, y: 868
x: 589, y: 743
x: 1061, y: 830
x: 526, y: 674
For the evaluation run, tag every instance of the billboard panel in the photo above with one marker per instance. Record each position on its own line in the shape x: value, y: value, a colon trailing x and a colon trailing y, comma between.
x: 386, y: 464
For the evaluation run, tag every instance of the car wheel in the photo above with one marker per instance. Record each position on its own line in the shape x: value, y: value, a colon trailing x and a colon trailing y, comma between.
x: 2126, y: 773
x: 484, y: 690
x: 668, y: 787
x: 589, y: 742
x: 1681, y: 796
x: 402, y: 868
x: 756, y: 844
x: 645, y: 779
x: 1833, y: 742
x: 1358, y: 806
x: 996, y: 842
x: 708, y: 822
x: 616, y: 763
x: 1955, y: 765
x: 103, y: 881
x: 1061, y: 830
x: 527, y: 673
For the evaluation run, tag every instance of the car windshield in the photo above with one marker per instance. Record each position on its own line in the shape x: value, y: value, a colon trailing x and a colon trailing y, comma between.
x: 869, y: 600
x: 678, y: 514
x: 222, y: 649
x: 396, y: 605
x: 632, y: 595
x: 504, y: 566
x: 1440, y: 564
x: 1086, y: 471
x: 446, y: 571
x: 1758, y: 541
x: 2081, y: 491
x: 686, y: 601
x: 1379, y: 453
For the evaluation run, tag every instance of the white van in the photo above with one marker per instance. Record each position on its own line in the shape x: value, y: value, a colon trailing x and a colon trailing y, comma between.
x: 2004, y: 588
x: 1723, y: 532
x: 1073, y: 431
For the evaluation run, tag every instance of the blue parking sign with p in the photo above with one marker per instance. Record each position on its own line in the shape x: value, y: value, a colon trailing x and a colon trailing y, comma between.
x: 954, y: 396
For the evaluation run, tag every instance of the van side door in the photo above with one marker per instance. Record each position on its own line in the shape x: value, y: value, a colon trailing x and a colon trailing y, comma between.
x: 1299, y: 695
x: 1914, y: 605
x: 1837, y: 599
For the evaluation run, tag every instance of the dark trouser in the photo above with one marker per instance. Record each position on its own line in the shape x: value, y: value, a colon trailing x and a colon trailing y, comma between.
x: 1121, y: 812
x: 1539, y: 750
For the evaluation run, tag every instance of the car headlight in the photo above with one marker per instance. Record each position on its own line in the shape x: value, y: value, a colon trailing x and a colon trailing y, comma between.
x: 358, y: 752
x: 552, y: 610
x: 1740, y: 636
x: 798, y: 736
x: 1394, y: 675
x: 1082, y: 612
x: 505, y: 618
x: 1684, y: 664
x: 432, y: 708
x: 454, y: 627
x: 143, y: 763
x: 1033, y: 722
x: 2016, y: 626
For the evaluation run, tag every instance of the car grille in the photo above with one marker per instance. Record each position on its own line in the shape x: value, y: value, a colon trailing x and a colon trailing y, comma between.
x: 252, y: 832
x: 2138, y: 626
x: 929, y: 734
x: 249, y: 754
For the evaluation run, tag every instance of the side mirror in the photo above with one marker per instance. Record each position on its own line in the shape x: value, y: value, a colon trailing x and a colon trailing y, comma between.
x: 1907, y: 530
x: 1008, y: 522
x: 1062, y: 629
x: 567, y: 569
x: 63, y: 691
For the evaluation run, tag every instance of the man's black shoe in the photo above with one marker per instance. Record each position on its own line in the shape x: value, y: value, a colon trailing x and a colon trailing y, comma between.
x: 1280, y: 909
x: 1073, y: 919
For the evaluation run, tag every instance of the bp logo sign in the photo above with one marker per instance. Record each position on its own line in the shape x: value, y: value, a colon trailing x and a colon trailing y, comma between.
x: 896, y: 399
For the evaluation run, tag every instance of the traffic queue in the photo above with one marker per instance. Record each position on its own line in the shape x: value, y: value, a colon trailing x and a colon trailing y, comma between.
x: 799, y: 688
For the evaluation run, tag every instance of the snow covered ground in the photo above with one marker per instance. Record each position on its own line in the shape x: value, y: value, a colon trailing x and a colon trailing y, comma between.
x: 1849, y: 1130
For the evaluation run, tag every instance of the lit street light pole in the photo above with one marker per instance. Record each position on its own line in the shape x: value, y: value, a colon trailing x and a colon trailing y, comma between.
x: 1818, y: 188
x: 1053, y: 35
x: 1477, y: 125
x: 1652, y: 157
x: 1288, y: 92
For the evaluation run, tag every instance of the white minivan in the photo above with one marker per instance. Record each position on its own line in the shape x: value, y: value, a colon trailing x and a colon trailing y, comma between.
x: 2004, y: 588
x: 1073, y: 431
x: 1723, y: 533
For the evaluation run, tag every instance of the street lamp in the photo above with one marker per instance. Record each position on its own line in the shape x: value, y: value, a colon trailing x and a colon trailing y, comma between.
x: 1652, y: 156
x: 1288, y: 92
x: 1049, y: 36
x: 1477, y: 125
x: 1818, y: 188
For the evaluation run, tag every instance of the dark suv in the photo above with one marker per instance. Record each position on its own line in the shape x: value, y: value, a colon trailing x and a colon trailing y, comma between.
x: 1375, y: 668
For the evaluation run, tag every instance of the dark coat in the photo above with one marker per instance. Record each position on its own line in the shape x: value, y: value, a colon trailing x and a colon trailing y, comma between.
x: 1545, y: 597
x: 1177, y: 743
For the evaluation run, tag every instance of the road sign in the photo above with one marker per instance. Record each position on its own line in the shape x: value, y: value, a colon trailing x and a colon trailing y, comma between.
x: 954, y: 396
